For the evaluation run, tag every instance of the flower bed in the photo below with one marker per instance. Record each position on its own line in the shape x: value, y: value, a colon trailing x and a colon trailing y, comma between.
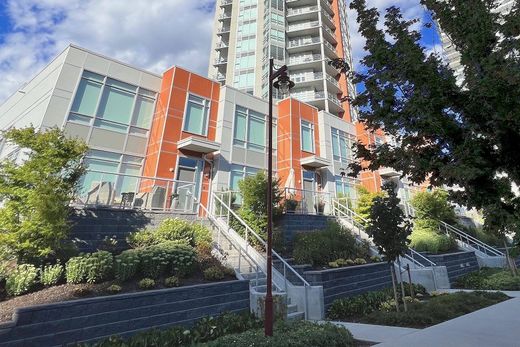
x: 490, y: 279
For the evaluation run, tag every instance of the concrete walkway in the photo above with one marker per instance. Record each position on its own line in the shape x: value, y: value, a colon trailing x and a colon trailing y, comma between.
x: 497, y: 325
x: 375, y: 333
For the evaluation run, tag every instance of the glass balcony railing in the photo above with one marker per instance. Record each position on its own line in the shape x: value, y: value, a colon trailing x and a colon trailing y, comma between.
x: 303, y: 42
x: 301, y: 10
x: 304, y: 59
x: 302, y: 26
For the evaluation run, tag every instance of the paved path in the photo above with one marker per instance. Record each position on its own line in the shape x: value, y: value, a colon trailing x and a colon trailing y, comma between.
x: 375, y: 333
x: 497, y: 325
x: 511, y: 294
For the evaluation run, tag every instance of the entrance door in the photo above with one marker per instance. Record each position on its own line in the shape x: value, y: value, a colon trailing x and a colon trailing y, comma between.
x: 308, y: 191
x: 189, y: 173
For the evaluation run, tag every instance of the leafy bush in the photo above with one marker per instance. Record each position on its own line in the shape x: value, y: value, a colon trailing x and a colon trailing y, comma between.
x: 36, y: 193
x: 436, y: 310
x: 146, y: 283
x: 295, y: 334
x: 320, y: 247
x: 21, y: 280
x: 205, y: 256
x: 217, y: 273
x: 206, y: 329
x: 430, y: 241
x: 91, y: 268
x: 167, y: 258
x: 491, y: 279
x: 51, y: 275
x: 364, y: 204
x: 114, y: 289
x: 126, y: 265
x: 178, y: 230
x: 171, y: 282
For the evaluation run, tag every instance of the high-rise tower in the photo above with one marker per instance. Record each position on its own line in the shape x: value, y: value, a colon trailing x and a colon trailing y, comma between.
x: 304, y: 34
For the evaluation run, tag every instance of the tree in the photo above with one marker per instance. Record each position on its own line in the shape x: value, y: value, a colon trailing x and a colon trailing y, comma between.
x: 389, y: 230
x: 36, y: 193
x: 454, y: 134
x: 365, y: 202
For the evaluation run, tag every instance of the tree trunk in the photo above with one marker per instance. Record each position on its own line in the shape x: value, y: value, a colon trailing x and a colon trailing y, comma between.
x: 394, y: 279
x: 510, y: 262
x: 402, y: 286
x: 412, y: 293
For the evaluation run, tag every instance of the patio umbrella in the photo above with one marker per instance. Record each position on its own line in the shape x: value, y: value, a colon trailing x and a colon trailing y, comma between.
x: 290, y: 184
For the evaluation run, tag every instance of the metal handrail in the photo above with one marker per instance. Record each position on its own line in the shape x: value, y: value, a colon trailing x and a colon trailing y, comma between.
x: 250, y: 230
x: 241, y: 250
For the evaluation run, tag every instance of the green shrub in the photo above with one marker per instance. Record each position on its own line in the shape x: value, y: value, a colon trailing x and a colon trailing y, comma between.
x: 114, y: 289
x: 171, y: 282
x: 91, y: 268
x: 167, y: 258
x: 491, y: 279
x: 178, y: 230
x: 345, y: 308
x: 320, y: 247
x: 21, y: 280
x: 360, y: 261
x: 214, y: 273
x: 146, y: 283
x: 206, y: 329
x: 295, y: 334
x: 51, y: 275
x: 126, y: 265
x: 424, y: 240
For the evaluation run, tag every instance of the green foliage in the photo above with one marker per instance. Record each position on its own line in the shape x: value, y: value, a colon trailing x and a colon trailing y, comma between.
x: 450, y: 134
x: 146, y: 283
x: 114, y: 289
x: 126, y: 265
x: 166, y: 259
x: 91, y: 268
x: 428, y: 241
x: 295, y: 334
x: 206, y: 329
x: 36, y: 194
x: 436, y: 310
x: 320, y: 247
x: 51, y: 275
x: 253, y: 211
x: 489, y: 279
x: 181, y: 231
x: 365, y: 202
x: 171, y: 282
x: 21, y: 280
x: 217, y: 273
x: 290, y: 205
x: 388, y: 227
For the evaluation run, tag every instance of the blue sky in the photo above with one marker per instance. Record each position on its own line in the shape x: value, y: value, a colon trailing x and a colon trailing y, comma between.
x: 149, y: 34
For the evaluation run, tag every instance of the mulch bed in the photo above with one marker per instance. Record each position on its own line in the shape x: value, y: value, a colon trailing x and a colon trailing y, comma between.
x: 67, y: 292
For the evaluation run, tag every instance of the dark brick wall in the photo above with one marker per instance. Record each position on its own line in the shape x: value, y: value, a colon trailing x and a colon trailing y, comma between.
x: 291, y: 224
x: 91, y: 226
x: 350, y: 281
x: 457, y: 264
x: 125, y: 314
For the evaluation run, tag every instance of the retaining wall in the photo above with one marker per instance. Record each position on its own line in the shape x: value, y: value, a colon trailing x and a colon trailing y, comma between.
x: 350, y: 281
x: 91, y: 226
x: 125, y: 314
x: 457, y: 264
x: 291, y: 224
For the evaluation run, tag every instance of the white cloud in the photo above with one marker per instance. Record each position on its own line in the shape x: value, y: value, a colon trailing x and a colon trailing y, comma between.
x: 153, y: 35
x: 410, y: 8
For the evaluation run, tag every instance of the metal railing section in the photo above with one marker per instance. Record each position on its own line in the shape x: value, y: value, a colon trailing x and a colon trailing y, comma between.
x: 309, y: 201
x: 116, y: 190
x: 250, y: 233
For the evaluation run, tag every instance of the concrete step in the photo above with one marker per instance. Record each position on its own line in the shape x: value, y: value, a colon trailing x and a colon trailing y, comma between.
x: 291, y: 308
x: 296, y: 316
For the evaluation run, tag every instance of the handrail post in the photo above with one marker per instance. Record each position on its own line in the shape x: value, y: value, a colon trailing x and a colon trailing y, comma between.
x: 99, y: 188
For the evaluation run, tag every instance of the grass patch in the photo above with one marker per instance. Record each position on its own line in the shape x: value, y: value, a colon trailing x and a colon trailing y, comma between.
x: 491, y: 279
x: 436, y: 310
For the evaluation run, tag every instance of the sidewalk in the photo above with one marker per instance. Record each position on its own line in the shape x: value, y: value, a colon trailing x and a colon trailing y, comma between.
x: 497, y: 325
x: 375, y: 333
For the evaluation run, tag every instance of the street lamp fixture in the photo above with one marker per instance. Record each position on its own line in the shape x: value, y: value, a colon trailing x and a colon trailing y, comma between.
x: 278, y: 79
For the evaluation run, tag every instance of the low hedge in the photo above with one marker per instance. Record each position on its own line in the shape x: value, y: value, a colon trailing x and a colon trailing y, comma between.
x: 424, y: 240
x: 491, y: 279
x: 296, y: 334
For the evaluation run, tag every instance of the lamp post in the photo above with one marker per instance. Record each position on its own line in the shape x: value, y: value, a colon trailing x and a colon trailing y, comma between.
x: 279, y: 80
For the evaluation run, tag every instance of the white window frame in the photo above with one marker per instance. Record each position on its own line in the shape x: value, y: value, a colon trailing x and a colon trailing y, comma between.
x: 206, y: 104
x: 310, y: 126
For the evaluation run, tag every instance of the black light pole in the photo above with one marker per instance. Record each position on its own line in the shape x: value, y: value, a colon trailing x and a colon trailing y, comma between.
x: 283, y: 84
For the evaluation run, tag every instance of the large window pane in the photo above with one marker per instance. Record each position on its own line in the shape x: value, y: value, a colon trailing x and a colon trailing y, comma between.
x: 256, y: 131
x: 196, y: 116
x: 307, y: 137
x: 143, y: 112
x: 86, y: 98
x: 116, y: 105
x: 335, y: 145
x: 240, y: 126
x: 343, y: 147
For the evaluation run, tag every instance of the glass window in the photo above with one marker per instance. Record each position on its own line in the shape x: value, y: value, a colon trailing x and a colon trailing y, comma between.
x: 87, y: 97
x: 116, y: 105
x: 110, y: 126
x: 249, y: 129
x: 143, y: 112
x: 341, y: 146
x: 307, y: 136
x: 196, y: 118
